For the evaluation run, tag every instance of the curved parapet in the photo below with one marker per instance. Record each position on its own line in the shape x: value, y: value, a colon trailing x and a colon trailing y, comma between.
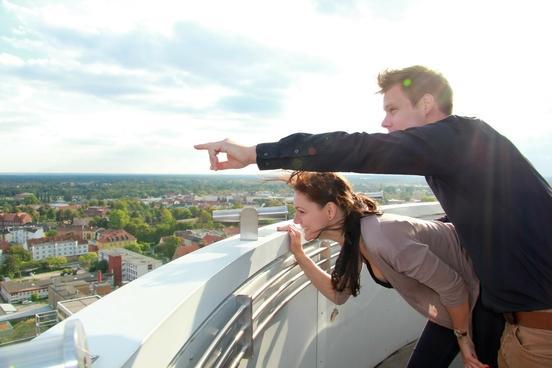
x: 247, y: 304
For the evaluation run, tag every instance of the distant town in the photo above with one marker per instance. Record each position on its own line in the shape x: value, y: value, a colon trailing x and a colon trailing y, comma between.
x: 68, y: 239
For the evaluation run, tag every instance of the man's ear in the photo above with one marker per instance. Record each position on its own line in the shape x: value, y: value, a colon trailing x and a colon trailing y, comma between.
x: 428, y: 103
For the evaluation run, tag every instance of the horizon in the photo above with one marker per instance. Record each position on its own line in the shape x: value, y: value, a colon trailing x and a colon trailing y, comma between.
x: 89, y: 86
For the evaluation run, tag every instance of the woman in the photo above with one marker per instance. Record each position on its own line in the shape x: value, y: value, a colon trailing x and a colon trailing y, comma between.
x: 421, y: 259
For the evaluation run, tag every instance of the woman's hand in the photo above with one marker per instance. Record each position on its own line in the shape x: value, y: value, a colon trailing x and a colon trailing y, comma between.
x: 295, y: 246
x: 467, y: 349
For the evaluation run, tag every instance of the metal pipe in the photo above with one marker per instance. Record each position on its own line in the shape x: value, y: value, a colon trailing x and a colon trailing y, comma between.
x: 68, y: 351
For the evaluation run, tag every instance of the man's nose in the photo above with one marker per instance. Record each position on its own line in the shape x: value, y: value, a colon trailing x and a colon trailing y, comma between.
x: 295, y: 220
x: 386, y: 123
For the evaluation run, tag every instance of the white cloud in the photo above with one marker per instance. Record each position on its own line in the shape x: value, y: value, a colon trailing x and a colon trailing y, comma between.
x: 146, y: 81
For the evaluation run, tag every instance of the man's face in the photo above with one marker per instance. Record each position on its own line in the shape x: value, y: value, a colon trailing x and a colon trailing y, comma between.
x: 400, y: 114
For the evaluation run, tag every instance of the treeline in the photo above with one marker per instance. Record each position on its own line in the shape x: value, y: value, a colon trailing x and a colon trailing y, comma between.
x: 46, y: 188
x: 149, y: 223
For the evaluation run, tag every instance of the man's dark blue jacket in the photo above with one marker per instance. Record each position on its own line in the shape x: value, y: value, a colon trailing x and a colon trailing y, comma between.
x: 501, y: 206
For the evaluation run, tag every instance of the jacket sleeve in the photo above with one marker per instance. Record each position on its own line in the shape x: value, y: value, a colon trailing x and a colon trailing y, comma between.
x: 426, y: 150
x: 418, y: 262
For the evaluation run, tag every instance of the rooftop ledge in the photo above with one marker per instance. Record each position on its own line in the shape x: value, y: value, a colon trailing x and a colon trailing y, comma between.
x: 147, y: 322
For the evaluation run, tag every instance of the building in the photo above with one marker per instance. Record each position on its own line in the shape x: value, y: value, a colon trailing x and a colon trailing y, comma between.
x: 62, y: 245
x: 94, y: 211
x: 17, y: 291
x: 114, y: 239
x: 71, y: 296
x: 127, y: 265
x: 20, y: 235
x: 7, y: 309
x: 86, y: 232
x: 182, y: 250
x: 67, y: 308
x: 15, y: 219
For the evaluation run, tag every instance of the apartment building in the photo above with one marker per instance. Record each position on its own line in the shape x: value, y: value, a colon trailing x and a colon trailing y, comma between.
x: 127, y: 265
x: 67, y: 245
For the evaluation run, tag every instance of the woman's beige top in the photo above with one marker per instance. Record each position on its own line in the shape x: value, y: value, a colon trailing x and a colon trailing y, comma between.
x: 423, y: 261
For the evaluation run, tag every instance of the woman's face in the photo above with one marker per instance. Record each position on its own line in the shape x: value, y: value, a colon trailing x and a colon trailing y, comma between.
x: 310, y: 215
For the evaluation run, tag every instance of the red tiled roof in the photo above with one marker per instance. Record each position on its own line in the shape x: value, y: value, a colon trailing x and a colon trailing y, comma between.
x: 57, y: 238
x: 16, y: 218
x: 210, y: 239
x: 184, y: 249
x: 110, y: 236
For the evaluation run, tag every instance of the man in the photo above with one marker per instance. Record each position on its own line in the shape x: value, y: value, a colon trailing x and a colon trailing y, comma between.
x: 501, y: 206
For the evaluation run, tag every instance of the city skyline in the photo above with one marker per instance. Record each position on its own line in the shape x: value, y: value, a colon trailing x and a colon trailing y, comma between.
x: 98, y: 87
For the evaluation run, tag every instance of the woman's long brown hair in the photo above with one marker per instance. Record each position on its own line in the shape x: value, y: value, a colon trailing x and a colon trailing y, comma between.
x: 325, y: 187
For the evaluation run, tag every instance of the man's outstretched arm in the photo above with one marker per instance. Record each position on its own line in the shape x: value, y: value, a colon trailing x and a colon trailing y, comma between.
x: 428, y: 150
x: 237, y: 156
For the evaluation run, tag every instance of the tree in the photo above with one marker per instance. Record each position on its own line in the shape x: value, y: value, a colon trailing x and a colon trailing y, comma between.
x: 56, y: 262
x: 31, y: 199
x: 134, y: 247
x: 86, y: 260
x: 66, y: 215
x: 35, y: 297
x: 102, y: 266
x: 11, y: 266
x: 100, y: 222
x: 20, y: 253
x: 118, y: 219
x: 51, y: 233
x: 428, y: 198
x: 168, y: 246
x: 165, y: 217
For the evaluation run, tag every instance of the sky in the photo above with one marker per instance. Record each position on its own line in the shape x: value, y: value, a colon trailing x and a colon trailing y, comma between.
x: 127, y: 86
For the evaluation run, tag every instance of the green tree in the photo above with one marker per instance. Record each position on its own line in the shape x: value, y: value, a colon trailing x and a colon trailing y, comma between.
x: 165, y: 217
x: 51, y: 214
x: 118, y: 219
x: 181, y: 213
x: 86, y: 260
x: 428, y: 198
x: 134, y: 247
x: 20, y: 253
x: 31, y: 199
x: 11, y: 266
x: 168, y: 246
x: 102, y: 266
x: 51, y: 233
x: 56, y: 262
x: 66, y: 215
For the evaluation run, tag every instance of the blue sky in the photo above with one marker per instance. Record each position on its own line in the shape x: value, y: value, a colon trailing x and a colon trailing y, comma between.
x: 130, y: 86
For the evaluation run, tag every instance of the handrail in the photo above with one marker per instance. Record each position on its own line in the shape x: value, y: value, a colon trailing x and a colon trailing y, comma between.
x: 281, y: 274
x: 266, y: 213
x: 248, y: 217
x: 220, y: 335
x: 208, y: 358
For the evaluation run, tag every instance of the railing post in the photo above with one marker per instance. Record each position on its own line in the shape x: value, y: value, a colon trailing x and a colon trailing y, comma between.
x: 249, y: 224
x: 248, y: 217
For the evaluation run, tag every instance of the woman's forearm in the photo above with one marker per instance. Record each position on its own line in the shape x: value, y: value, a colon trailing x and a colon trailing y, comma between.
x: 320, y: 279
x: 460, y: 316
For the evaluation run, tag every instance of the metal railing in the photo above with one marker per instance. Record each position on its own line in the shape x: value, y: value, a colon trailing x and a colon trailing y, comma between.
x: 249, y: 217
x: 69, y: 350
x: 228, y: 335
